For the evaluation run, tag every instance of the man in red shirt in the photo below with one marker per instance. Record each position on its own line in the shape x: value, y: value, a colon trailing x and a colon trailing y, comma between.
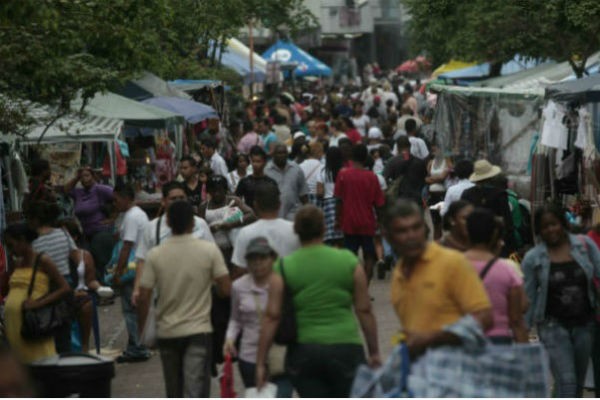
x: 358, y: 193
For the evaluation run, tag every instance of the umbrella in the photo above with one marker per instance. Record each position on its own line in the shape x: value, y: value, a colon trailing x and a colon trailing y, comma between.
x: 408, y: 66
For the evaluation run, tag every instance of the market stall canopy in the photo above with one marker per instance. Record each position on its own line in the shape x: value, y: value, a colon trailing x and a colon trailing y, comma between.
x: 192, y: 85
x: 287, y: 52
x: 477, y: 72
x: 541, y: 76
x: 76, y: 127
x: 236, y: 56
x: 192, y: 111
x: 150, y: 85
x: 585, y: 90
x: 131, y: 112
x: 451, y: 66
x: 413, y: 66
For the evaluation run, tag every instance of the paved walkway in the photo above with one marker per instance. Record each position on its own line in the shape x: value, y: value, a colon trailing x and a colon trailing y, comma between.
x: 146, y: 380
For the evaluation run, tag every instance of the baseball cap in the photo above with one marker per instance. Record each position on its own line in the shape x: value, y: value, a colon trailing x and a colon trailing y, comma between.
x: 260, y: 246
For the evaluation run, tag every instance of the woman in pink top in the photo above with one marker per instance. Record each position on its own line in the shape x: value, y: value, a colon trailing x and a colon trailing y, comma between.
x: 502, y: 282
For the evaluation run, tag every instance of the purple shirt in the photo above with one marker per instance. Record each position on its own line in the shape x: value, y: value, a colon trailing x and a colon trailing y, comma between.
x: 88, y: 205
x: 245, y: 315
x: 247, y: 141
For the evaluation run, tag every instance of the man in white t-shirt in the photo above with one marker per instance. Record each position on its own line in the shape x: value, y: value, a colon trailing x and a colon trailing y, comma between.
x: 418, y: 147
x: 159, y: 229
x: 131, y: 230
x: 208, y: 148
x: 279, y: 232
x: 360, y: 120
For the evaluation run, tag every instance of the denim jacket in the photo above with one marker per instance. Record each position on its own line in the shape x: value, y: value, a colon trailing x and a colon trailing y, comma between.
x: 536, y: 268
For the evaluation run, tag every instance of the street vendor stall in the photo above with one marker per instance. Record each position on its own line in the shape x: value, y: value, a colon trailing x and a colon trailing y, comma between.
x: 496, y: 124
x: 567, y: 161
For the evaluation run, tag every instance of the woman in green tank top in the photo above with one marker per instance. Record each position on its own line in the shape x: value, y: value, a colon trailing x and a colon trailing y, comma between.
x: 330, y: 294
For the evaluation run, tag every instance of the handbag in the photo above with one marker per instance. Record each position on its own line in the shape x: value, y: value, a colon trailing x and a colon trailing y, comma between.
x: 45, y: 321
x: 287, y: 331
x: 277, y: 352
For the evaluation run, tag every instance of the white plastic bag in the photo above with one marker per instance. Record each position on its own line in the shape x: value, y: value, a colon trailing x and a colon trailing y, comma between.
x: 267, y: 392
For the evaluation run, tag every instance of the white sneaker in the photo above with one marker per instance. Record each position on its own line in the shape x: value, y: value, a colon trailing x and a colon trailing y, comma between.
x: 105, y: 292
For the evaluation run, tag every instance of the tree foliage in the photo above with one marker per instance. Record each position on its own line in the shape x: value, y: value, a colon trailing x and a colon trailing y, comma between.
x: 51, y: 50
x: 497, y: 31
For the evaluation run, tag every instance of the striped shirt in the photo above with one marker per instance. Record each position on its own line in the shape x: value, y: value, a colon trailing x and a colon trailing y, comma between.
x: 57, y: 244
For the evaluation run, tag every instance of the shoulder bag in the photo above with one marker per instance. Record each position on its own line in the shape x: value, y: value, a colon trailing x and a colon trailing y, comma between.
x: 43, y: 322
x: 277, y: 352
x: 287, y: 331
x: 487, y: 268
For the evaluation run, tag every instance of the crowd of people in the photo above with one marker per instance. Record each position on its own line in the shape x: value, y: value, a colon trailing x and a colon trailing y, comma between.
x: 302, y: 201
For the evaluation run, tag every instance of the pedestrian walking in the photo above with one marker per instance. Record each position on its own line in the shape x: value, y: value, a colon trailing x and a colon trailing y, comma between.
x: 487, y: 194
x: 248, y: 305
x: 330, y: 293
x: 462, y: 171
x: 131, y: 231
x: 210, y: 154
x: 456, y: 236
x: 182, y: 269
x: 559, y: 275
x: 239, y: 172
x: 194, y: 189
x: 290, y: 180
x: 432, y: 286
x: 502, y: 282
x: 325, y: 190
x: 247, y: 186
x: 359, y: 193
x: 158, y: 230
x: 278, y: 231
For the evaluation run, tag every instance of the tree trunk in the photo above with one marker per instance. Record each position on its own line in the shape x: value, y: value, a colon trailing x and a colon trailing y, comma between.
x: 495, y: 69
x: 579, y: 70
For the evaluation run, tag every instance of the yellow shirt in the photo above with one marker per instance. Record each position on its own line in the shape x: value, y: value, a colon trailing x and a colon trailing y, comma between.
x: 442, y: 288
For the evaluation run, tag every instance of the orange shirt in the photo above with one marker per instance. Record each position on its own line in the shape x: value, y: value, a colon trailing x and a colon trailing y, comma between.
x: 442, y: 288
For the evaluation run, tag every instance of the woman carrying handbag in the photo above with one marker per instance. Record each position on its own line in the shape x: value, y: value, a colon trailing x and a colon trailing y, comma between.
x: 18, y: 239
x: 248, y: 302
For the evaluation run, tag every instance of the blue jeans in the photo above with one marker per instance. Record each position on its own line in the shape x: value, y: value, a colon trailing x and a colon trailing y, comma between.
x: 569, y: 350
x: 134, y: 348
x: 248, y: 373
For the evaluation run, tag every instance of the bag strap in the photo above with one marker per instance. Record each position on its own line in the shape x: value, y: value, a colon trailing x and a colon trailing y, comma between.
x: 259, y: 310
x: 313, y: 171
x: 487, y: 268
x: 35, y: 268
x: 158, y: 230
x: 282, y: 271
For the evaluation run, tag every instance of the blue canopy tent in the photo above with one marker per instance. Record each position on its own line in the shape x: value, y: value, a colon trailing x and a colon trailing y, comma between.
x: 465, y: 76
x: 287, y: 52
x: 192, y: 111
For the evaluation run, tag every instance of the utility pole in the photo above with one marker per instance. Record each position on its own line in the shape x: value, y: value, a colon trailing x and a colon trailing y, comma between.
x: 251, y: 43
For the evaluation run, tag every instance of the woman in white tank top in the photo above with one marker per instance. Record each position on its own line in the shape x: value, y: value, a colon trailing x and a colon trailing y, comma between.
x: 438, y: 171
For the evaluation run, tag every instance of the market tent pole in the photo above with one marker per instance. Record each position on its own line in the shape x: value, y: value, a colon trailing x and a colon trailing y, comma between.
x: 251, y: 44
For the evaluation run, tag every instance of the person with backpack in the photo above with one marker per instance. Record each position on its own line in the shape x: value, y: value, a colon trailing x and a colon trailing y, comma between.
x: 503, y: 284
x: 487, y: 194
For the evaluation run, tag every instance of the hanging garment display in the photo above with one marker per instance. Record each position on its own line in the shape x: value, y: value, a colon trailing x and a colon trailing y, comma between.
x: 582, y: 128
x: 554, y: 132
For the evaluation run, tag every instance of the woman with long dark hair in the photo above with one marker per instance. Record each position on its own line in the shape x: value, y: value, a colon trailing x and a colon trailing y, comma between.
x: 559, y: 275
x: 334, y: 162
x: 456, y: 235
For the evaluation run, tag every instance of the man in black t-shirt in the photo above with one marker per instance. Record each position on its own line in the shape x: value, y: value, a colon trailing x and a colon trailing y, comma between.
x: 247, y: 185
x: 193, y: 187
x: 413, y: 171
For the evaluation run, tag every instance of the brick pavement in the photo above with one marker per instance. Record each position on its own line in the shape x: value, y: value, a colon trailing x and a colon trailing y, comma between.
x: 146, y: 380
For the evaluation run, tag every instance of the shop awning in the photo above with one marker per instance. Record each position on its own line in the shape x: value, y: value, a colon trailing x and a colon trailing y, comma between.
x: 287, y: 52
x: 150, y: 85
x: 451, y: 65
x: 585, y: 90
x: 131, y: 112
x: 192, y: 111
